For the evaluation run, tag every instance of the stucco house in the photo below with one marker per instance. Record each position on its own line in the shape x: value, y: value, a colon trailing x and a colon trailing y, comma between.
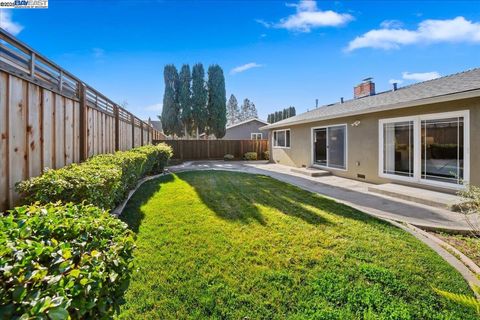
x: 245, y: 130
x: 426, y: 134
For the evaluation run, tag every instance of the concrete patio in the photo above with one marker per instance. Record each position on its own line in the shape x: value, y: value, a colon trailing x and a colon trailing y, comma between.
x: 350, y: 192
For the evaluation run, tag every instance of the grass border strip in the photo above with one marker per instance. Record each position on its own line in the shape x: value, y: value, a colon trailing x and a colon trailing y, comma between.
x: 119, y: 209
x: 466, y: 260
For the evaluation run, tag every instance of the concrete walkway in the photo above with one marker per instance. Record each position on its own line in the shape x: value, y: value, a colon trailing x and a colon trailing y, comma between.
x: 350, y: 192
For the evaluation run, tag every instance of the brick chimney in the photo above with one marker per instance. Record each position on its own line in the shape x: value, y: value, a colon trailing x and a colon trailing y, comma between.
x: 364, y: 89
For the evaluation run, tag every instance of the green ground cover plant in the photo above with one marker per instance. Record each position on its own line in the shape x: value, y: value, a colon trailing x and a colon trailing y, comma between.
x: 226, y: 245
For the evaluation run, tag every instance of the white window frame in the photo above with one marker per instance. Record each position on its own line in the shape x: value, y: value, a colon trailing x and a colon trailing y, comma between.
x: 312, y: 143
x: 417, y: 152
x: 255, y: 134
x: 281, y: 147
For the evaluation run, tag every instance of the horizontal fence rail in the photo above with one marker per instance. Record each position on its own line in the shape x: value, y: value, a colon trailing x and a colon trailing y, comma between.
x: 215, y: 149
x: 49, y: 118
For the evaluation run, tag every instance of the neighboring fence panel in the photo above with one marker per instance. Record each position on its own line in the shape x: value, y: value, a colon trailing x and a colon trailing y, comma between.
x: 50, y: 118
x: 214, y: 149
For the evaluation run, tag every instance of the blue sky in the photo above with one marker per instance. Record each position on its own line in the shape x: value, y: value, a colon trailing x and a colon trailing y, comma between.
x: 275, y: 53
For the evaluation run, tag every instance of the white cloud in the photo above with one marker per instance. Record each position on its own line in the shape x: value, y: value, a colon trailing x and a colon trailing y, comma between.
x: 391, y: 24
x: 429, y: 31
x: 245, y: 67
x: 98, y: 52
x: 420, y: 76
x: 8, y: 24
x: 397, y: 81
x: 154, y: 107
x: 308, y: 17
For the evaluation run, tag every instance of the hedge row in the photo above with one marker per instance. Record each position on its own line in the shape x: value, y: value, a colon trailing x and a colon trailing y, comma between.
x: 59, y: 261
x: 102, y: 180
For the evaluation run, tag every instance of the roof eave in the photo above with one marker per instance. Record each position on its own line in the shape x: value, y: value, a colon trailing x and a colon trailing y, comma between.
x: 443, y: 98
x: 246, y: 121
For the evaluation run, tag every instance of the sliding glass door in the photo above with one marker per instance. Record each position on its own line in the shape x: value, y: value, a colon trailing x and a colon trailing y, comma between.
x: 321, y: 146
x: 431, y: 148
x: 330, y: 146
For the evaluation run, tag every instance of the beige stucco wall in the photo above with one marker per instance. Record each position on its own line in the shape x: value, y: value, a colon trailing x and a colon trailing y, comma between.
x: 362, y: 141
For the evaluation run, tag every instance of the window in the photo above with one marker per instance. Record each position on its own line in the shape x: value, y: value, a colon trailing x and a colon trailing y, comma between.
x: 256, y: 136
x: 430, y: 149
x: 281, y: 138
x: 330, y: 145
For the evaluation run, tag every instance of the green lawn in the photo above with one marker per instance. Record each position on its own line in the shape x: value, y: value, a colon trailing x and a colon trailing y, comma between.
x: 225, y: 245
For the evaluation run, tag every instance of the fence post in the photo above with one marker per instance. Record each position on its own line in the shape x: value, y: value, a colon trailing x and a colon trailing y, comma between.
x: 141, y: 135
x: 132, y: 118
x: 208, y: 149
x: 269, y: 147
x: 82, y: 95
x: 32, y: 65
x: 116, y: 114
x: 150, y: 131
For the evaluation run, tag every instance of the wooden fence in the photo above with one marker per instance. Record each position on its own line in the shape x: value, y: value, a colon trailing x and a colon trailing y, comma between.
x: 215, y: 149
x: 50, y: 118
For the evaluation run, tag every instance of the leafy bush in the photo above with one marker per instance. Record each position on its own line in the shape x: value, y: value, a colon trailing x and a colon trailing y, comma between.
x: 157, y: 157
x: 131, y: 167
x: 228, y: 157
x: 60, y: 260
x: 98, y: 184
x: 250, y: 156
x: 102, y: 180
x: 266, y: 155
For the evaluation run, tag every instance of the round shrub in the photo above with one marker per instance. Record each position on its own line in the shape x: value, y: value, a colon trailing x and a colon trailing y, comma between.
x: 266, y: 155
x: 228, y: 157
x: 250, y: 156
x: 59, y: 261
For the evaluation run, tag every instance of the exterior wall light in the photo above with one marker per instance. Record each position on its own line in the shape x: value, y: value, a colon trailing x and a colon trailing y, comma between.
x: 356, y: 124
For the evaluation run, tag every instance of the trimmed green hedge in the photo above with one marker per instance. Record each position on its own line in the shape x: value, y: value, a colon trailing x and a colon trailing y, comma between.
x: 102, y: 180
x: 59, y: 261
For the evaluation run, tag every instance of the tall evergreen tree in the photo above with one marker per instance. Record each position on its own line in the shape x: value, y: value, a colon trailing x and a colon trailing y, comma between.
x: 245, y: 110
x: 293, y: 112
x: 233, y: 111
x: 170, y: 117
x: 217, y: 102
x: 253, y: 111
x: 199, y: 99
x: 185, y: 99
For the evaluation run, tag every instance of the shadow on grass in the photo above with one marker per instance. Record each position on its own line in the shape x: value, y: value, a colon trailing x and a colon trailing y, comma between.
x: 239, y: 196
x: 132, y: 213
